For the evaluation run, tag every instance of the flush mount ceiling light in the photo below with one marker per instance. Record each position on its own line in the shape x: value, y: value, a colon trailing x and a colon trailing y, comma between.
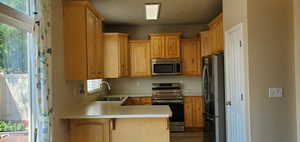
x: 152, y: 11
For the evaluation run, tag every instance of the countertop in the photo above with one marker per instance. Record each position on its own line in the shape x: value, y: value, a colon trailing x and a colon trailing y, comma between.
x: 115, y: 110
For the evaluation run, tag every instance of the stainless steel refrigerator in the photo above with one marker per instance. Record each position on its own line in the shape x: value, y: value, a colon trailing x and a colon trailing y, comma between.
x: 214, y: 94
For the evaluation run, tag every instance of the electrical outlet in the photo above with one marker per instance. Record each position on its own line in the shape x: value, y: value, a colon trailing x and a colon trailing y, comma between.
x: 275, y: 92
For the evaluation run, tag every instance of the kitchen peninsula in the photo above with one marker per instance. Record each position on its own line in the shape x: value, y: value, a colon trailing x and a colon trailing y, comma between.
x: 112, y: 122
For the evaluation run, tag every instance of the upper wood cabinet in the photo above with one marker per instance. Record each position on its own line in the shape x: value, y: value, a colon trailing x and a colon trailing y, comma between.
x: 206, y: 43
x: 191, y: 57
x: 140, y: 58
x: 116, y: 55
x: 83, y: 46
x: 217, y: 34
x: 165, y: 45
x: 157, y: 46
x: 172, y: 45
x: 90, y: 130
x: 193, y: 111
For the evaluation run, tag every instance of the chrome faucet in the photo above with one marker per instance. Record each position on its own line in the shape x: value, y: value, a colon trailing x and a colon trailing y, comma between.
x: 107, y: 85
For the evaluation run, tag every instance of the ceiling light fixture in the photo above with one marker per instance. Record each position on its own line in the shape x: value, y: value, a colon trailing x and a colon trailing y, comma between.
x: 152, y: 11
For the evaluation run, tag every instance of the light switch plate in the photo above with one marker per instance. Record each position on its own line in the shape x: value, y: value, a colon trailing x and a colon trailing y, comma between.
x: 275, y: 92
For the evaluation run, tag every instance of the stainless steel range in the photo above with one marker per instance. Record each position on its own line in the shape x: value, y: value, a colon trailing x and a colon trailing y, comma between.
x: 170, y: 94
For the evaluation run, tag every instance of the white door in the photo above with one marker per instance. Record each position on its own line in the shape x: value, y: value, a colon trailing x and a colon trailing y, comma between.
x: 235, y: 85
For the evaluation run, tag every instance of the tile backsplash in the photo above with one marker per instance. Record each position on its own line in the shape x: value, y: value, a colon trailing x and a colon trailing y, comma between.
x: 142, y: 86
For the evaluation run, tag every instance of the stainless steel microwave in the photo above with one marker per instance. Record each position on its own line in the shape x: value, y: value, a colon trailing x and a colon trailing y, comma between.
x: 166, y: 67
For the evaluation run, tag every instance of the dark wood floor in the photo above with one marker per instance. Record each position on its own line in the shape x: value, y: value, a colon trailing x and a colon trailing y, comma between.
x: 187, y: 137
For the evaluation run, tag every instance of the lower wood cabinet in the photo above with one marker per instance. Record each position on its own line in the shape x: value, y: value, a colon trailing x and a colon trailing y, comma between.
x: 90, y: 130
x: 138, y: 101
x: 141, y: 130
x: 193, y: 111
x: 120, y: 130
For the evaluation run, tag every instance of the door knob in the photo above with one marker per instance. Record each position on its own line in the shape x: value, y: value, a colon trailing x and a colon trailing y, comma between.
x: 228, y: 103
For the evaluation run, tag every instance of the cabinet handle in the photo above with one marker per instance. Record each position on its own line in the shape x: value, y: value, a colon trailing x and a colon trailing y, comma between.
x: 113, y: 124
x: 168, y: 124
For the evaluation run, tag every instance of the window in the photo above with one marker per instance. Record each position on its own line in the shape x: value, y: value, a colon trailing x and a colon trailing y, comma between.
x: 15, y: 71
x: 15, y: 77
x: 94, y: 86
x: 20, y: 5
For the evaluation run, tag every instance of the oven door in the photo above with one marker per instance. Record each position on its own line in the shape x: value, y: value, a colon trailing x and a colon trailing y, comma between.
x: 176, y: 107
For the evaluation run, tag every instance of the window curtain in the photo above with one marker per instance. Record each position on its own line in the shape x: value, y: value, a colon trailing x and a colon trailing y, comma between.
x: 42, y: 105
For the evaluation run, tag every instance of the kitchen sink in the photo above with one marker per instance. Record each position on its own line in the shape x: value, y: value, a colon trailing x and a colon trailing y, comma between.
x: 112, y: 99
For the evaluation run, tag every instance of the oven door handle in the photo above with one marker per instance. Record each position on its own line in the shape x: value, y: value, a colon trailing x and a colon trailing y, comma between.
x: 168, y: 101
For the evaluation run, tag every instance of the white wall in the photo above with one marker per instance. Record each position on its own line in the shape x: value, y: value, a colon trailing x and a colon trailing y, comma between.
x: 269, y: 51
x: 143, y: 86
x: 270, y: 54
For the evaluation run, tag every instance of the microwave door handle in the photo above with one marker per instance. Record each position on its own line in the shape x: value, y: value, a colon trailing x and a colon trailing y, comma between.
x: 177, y: 66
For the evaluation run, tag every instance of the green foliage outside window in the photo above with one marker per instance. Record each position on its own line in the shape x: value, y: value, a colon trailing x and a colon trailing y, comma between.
x: 11, y: 127
x: 13, y: 50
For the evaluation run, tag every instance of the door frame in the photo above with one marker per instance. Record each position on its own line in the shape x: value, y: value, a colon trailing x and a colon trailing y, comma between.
x: 244, y: 44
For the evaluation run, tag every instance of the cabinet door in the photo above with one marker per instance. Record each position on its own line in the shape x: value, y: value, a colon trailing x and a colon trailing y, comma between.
x: 190, y: 57
x: 91, y: 43
x: 188, y: 111
x: 198, y: 109
x: 193, y: 111
x: 124, y: 65
x: 220, y: 46
x: 140, y: 58
x: 99, y: 50
x: 90, y: 130
x: 209, y: 46
x: 172, y: 46
x: 126, y: 55
x: 204, y: 43
x: 157, y: 46
x: 141, y: 130
x: 214, y: 38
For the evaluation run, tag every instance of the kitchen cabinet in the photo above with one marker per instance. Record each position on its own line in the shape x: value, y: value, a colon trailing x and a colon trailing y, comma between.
x: 157, y: 46
x: 217, y: 36
x: 172, y: 45
x: 116, y: 55
x: 141, y: 130
x: 120, y: 130
x: 138, y: 101
x: 165, y: 45
x: 140, y: 58
x: 206, y: 48
x: 191, y: 56
x: 83, y: 41
x: 90, y: 130
x: 193, y: 111
x: 212, y: 41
